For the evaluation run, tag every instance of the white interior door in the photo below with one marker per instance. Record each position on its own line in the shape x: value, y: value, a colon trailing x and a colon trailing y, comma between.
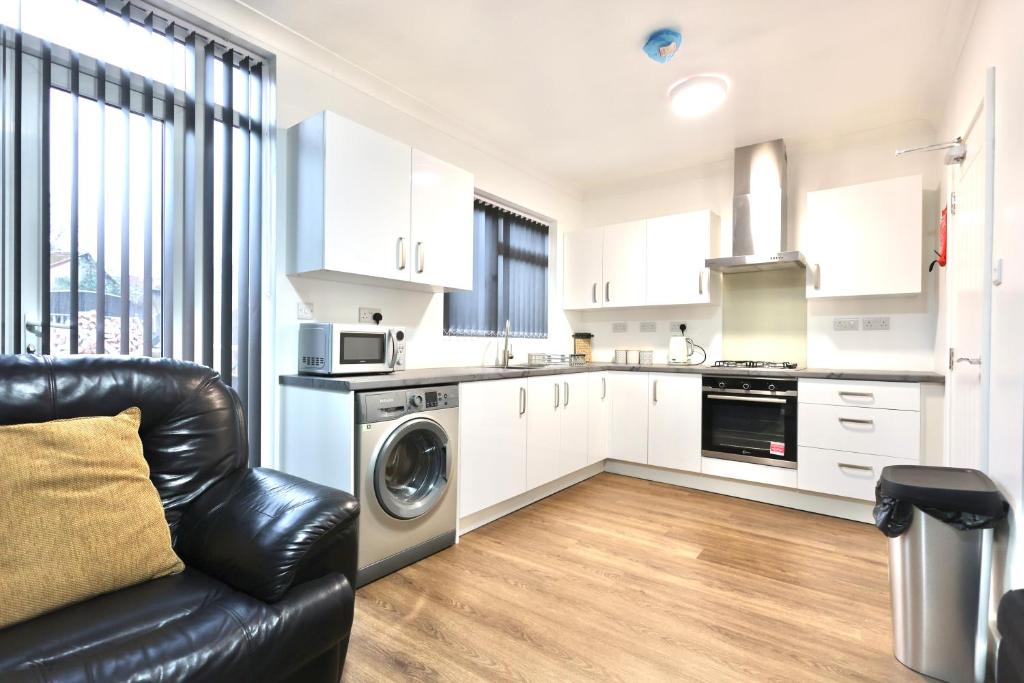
x: 969, y: 291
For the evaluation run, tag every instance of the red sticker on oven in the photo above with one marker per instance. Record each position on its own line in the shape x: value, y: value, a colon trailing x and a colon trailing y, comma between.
x: 777, y: 448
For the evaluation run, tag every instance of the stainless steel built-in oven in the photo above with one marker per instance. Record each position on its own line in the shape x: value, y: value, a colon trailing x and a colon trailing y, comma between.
x: 750, y: 419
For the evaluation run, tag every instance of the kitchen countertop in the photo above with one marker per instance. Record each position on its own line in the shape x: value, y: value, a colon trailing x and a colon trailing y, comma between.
x: 426, y: 376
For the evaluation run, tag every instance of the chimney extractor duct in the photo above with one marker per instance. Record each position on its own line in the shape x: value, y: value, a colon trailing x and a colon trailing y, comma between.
x: 759, y: 212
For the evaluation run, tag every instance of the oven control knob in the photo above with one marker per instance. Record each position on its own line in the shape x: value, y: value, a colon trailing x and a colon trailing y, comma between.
x: 771, y: 387
x: 721, y: 385
x: 416, y: 401
x: 746, y: 386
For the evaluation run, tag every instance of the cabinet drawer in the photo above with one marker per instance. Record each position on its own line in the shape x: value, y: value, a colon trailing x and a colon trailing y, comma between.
x: 841, y: 473
x: 895, y: 433
x: 890, y: 395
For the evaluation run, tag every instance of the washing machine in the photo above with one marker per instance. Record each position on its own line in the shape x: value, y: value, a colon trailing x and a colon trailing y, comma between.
x: 406, y: 449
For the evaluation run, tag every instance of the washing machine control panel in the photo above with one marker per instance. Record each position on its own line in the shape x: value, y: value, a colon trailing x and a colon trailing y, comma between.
x: 377, y: 406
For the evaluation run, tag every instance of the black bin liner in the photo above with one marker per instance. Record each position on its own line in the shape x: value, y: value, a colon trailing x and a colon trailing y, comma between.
x: 964, y: 499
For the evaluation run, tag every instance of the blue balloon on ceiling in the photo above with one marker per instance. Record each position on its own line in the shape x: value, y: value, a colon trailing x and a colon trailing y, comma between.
x: 662, y: 45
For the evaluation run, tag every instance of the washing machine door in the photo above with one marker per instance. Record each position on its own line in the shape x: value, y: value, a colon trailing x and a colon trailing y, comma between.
x: 412, y: 468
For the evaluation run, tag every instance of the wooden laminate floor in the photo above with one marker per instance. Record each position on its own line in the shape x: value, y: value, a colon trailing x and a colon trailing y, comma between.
x: 623, y: 579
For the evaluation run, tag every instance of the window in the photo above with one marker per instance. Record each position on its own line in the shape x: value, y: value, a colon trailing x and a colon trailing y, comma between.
x: 510, y: 277
x: 132, y: 174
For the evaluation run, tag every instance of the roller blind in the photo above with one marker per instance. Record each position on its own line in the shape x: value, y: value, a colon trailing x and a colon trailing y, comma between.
x: 132, y: 158
x: 510, y: 277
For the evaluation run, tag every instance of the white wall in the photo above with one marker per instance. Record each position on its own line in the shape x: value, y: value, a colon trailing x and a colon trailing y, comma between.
x: 813, y: 165
x: 993, y: 41
x: 310, y: 79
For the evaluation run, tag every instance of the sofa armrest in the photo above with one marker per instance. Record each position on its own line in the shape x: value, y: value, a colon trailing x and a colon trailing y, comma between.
x: 262, y: 531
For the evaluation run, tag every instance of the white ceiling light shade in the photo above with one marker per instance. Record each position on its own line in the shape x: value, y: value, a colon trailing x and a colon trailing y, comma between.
x: 698, y: 95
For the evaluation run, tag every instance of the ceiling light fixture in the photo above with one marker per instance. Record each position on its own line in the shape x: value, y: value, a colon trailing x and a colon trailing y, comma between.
x: 698, y: 95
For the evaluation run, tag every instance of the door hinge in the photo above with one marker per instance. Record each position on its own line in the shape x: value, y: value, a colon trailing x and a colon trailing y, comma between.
x: 952, y: 203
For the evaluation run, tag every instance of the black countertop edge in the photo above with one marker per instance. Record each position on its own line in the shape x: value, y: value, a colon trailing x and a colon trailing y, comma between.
x: 428, y: 376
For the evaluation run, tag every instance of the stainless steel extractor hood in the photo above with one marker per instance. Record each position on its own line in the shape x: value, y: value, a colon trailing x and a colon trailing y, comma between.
x: 759, y: 212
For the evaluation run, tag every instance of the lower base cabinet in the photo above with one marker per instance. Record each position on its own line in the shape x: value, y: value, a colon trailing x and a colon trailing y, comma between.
x: 627, y: 416
x: 674, y: 421
x: 556, y: 443
x: 597, y: 416
x: 492, y: 443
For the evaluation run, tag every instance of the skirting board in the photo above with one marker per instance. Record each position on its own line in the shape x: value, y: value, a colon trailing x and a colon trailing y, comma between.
x: 858, y: 511
x: 488, y: 515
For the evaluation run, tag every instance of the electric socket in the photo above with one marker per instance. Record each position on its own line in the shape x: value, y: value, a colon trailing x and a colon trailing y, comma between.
x: 673, y: 327
x: 366, y: 315
x: 880, y: 322
x: 304, y: 310
x: 618, y: 328
x: 845, y: 324
x: 648, y: 327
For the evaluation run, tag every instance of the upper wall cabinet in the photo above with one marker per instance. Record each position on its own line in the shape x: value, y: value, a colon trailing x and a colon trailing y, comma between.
x: 865, y: 240
x: 362, y: 204
x: 653, y: 262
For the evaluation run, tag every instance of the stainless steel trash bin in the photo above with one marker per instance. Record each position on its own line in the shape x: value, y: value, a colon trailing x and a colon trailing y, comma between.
x: 939, y: 578
x: 939, y: 522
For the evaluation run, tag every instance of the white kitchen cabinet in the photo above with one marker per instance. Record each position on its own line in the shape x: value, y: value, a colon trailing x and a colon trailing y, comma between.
x: 350, y: 198
x: 582, y: 274
x: 674, y: 421
x: 624, y: 269
x: 865, y: 240
x: 627, y: 416
x: 492, y: 444
x: 544, y: 438
x: 677, y: 247
x: 441, y: 231
x: 597, y: 420
x: 575, y: 399
x: 357, y: 209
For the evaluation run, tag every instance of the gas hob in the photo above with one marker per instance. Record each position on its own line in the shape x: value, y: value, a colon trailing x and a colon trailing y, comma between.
x: 756, y: 364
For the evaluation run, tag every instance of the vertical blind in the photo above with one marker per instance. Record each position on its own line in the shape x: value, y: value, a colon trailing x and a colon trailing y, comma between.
x: 510, y: 277
x: 132, y: 160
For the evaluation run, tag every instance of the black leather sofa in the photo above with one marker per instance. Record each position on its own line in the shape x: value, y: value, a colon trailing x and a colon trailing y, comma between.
x: 1010, y: 660
x: 270, y: 558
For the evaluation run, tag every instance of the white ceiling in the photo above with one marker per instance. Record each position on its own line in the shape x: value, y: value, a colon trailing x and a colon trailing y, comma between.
x: 564, y: 85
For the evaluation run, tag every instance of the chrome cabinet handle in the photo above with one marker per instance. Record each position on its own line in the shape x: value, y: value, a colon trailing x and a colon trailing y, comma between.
x: 565, y: 401
x: 857, y: 394
x: 608, y: 291
x: 557, y: 401
x: 855, y: 421
x: 604, y: 387
x: 401, y: 253
x: 655, y: 391
x: 969, y: 361
x: 849, y: 466
x: 522, y: 400
x: 421, y: 259
x: 817, y: 276
x: 748, y: 399
x: 593, y: 293
x: 700, y: 282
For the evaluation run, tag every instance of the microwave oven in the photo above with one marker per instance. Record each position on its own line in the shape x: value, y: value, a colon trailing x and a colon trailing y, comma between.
x: 336, y: 349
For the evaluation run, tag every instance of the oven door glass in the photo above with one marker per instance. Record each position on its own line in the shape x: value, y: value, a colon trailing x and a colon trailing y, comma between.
x: 750, y: 426
x: 361, y: 348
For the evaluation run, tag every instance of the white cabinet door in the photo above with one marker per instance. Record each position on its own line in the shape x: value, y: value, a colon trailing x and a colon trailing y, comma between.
x: 674, y: 423
x: 597, y: 420
x: 441, y: 240
x: 574, y: 451
x: 492, y: 445
x: 544, y: 440
x: 677, y: 247
x: 366, y: 200
x: 865, y: 240
x: 625, y: 264
x: 627, y: 416
x: 582, y: 280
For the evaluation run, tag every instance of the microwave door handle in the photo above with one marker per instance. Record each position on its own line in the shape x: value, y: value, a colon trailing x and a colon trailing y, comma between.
x: 393, y: 345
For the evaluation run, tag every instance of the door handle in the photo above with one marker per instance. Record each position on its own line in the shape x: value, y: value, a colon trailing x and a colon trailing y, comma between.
x: 556, y: 395
x: 969, y: 361
x: 856, y: 394
x: 401, y: 253
x: 860, y: 468
x: 655, y: 391
x: 421, y: 259
x: 608, y: 291
x: 700, y: 282
x: 855, y: 421
x: 817, y: 275
x: 604, y: 387
x: 522, y: 400
x: 593, y: 293
x: 34, y: 328
x: 392, y: 343
x: 565, y: 401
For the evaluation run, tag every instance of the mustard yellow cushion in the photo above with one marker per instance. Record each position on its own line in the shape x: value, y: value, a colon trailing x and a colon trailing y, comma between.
x: 78, y: 514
